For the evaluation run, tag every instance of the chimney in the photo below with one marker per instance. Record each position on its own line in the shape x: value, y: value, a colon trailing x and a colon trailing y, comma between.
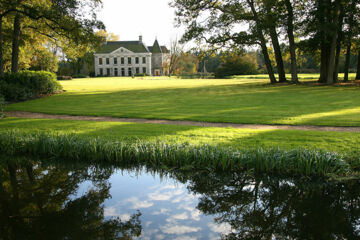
x: 140, y: 38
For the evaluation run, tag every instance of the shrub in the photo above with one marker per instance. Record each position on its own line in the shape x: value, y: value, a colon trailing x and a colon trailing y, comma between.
x: 141, y: 75
x: 79, y: 76
x: 2, y: 103
x: 236, y: 65
x: 64, y: 77
x: 28, y: 84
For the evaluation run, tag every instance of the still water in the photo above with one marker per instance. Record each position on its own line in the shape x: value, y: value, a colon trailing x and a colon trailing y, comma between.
x: 77, y: 201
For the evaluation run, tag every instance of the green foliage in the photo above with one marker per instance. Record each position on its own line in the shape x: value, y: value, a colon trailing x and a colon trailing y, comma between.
x: 186, y: 65
x: 25, y: 85
x: 2, y: 103
x: 44, y: 60
x: 294, y: 162
x: 236, y: 65
x: 141, y: 75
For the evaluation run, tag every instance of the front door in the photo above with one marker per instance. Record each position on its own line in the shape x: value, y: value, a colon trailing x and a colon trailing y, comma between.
x: 157, y: 73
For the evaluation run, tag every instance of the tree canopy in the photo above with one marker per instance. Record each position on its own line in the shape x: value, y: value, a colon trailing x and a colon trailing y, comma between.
x: 316, y: 26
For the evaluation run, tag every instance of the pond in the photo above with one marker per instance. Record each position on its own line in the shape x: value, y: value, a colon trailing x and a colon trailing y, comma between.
x: 53, y: 200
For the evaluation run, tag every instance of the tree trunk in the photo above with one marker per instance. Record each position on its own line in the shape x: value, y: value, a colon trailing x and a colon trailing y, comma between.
x: 334, y: 39
x: 347, y: 62
x: 1, y: 48
x: 323, y: 62
x: 268, y: 65
x: 337, y: 59
x: 290, y: 33
x: 331, y: 61
x: 278, y: 55
x: 16, y: 44
x: 348, y: 40
x: 323, y: 43
x: 358, y: 67
x: 338, y: 46
x: 263, y: 46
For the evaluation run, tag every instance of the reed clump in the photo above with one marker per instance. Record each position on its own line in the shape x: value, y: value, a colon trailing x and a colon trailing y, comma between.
x: 301, y: 162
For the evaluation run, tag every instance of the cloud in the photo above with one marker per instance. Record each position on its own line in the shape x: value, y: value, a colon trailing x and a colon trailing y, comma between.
x: 185, y: 238
x: 178, y: 229
x: 161, y: 211
x: 112, y: 212
x: 220, y: 228
x: 181, y: 216
x: 137, y: 204
x: 159, y: 196
x: 160, y: 237
x: 195, y: 215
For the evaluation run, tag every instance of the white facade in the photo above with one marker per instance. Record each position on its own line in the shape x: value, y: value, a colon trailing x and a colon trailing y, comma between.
x: 122, y: 62
x: 127, y: 58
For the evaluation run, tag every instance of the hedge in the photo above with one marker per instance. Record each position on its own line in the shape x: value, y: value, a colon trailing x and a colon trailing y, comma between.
x: 27, y: 85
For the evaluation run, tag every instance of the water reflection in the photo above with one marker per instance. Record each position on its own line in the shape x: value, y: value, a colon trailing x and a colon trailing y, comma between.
x: 272, y: 208
x: 38, y: 202
x: 78, y: 201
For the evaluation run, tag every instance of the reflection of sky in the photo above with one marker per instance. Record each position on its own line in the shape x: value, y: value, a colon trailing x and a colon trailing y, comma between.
x: 168, y: 209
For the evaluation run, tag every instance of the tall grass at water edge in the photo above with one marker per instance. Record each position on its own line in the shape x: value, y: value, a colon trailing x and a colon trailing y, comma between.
x: 300, y: 162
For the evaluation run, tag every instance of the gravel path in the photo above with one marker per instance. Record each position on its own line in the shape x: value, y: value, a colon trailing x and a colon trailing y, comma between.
x: 180, y: 122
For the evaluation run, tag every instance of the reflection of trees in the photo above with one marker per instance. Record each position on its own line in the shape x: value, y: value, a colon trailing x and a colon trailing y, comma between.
x: 272, y: 208
x: 38, y: 202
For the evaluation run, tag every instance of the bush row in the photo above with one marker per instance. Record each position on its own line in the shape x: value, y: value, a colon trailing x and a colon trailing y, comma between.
x: 300, y: 162
x: 26, y: 85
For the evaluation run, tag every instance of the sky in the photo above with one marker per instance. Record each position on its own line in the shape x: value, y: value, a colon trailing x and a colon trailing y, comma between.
x: 149, y: 18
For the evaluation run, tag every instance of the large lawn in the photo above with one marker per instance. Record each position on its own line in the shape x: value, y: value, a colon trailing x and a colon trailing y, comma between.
x: 237, y: 138
x: 247, y: 99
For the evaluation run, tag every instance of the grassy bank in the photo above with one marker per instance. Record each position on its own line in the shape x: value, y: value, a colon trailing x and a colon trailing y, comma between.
x: 300, y: 162
x: 246, y: 99
x: 341, y: 142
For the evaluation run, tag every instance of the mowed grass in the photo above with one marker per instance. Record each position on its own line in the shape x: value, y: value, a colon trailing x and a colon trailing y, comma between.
x: 245, y: 99
x: 237, y: 138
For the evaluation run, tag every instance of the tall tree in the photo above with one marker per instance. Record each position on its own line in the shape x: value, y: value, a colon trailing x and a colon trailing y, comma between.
x: 219, y: 30
x: 290, y: 35
x: 352, y: 13
x: 271, y: 19
x: 66, y: 21
x: 173, y: 58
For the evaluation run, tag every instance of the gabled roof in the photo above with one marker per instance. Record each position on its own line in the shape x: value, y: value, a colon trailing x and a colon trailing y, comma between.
x: 164, y: 49
x: 156, y: 47
x: 134, y: 46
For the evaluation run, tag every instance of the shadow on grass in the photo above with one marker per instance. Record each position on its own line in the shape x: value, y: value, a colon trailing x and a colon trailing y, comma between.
x: 236, y: 103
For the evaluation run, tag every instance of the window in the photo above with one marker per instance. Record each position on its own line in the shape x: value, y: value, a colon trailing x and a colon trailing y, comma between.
x: 129, y: 60
x: 144, y: 59
x: 108, y: 72
x: 115, y: 71
x: 130, y: 72
x: 101, y: 71
x: 115, y: 61
x: 137, y: 70
x: 122, y: 71
x: 122, y: 61
x: 100, y: 61
x: 137, y: 60
x: 107, y: 61
x: 144, y: 70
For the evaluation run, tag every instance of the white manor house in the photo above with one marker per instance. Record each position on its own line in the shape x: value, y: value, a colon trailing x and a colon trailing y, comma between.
x: 127, y: 58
